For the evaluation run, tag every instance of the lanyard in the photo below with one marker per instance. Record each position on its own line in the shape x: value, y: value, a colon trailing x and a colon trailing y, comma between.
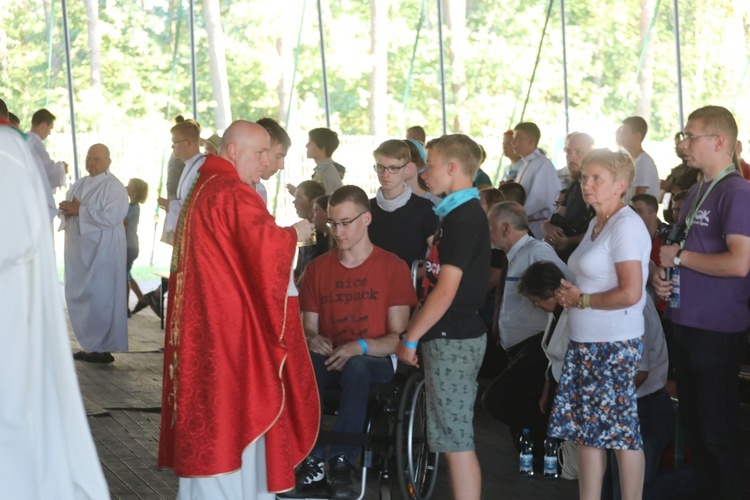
x: 697, y: 203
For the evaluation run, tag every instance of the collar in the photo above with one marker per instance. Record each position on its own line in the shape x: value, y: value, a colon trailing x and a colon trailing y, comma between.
x: 323, y: 164
x: 396, y: 203
x: 534, y: 154
x: 517, y: 246
x: 193, y: 159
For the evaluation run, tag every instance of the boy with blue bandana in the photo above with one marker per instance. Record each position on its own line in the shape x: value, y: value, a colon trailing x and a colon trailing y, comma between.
x: 447, y: 323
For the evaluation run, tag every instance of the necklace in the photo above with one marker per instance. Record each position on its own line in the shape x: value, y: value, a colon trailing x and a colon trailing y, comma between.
x: 597, y: 230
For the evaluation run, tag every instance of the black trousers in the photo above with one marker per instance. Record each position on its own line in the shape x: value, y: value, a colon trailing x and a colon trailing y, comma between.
x: 513, y: 397
x: 706, y: 367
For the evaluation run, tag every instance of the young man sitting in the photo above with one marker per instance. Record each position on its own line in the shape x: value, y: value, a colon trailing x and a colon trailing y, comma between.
x: 355, y: 301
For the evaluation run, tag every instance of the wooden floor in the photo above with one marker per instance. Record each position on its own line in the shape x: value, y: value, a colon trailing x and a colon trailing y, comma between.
x: 122, y: 401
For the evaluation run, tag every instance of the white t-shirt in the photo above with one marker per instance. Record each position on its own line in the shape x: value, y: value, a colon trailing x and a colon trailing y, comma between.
x: 645, y: 175
x: 623, y: 238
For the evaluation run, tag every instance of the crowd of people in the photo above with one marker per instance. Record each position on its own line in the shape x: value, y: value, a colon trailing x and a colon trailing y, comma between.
x: 591, y: 302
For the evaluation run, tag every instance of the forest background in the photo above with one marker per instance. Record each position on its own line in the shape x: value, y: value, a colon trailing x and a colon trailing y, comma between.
x: 131, y: 75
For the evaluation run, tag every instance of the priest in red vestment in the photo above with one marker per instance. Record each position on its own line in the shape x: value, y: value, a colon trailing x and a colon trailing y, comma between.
x: 237, y: 372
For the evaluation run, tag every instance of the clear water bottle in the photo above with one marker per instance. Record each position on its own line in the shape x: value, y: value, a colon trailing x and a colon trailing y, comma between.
x: 550, y: 457
x: 526, y: 457
x: 674, y: 298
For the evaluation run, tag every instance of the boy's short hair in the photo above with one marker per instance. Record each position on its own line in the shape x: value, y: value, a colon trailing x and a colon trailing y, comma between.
x: 42, y: 116
x: 513, y: 191
x: 276, y: 131
x: 531, y: 129
x: 140, y: 189
x: 312, y: 189
x: 13, y: 119
x: 648, y: 199
x: 322, y: 202
x: 394, y: 148
x: 637, y: 125
x: 460, y: 148
x: 354, y: 194
x: 717, y: 119
x: 325, y: 138
x: 189, y: 128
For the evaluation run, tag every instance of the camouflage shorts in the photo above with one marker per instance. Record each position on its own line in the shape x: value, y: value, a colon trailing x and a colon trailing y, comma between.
x: 450, y: 371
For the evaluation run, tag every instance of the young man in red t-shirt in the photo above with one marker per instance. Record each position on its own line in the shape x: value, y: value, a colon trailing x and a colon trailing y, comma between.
x: 355, y: 301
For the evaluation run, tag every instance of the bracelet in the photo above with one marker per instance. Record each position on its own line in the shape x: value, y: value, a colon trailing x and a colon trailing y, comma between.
x: 587, y: 301
x: 410, y: 345
x: 364, y: 346
x: 580, y: 301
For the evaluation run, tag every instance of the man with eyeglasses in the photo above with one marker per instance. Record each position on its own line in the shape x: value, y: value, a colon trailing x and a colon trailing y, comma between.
x: 402, y: 222
x: 630, y: 136
x: 355, y: 301
x: 565, y: 229
x: 710, y: 324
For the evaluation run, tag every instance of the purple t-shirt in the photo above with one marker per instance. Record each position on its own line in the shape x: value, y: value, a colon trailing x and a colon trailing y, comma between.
x: 709, y: 302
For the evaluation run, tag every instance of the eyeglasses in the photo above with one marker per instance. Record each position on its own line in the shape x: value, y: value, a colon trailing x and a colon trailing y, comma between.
x: 344, y: 223
x: 682, y: 136
x: 391, y: 170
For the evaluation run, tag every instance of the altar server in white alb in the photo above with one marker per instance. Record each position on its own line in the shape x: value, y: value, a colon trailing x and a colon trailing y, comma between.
x: 46, y: 449
x: 95, y: 280
x: 53, y: 172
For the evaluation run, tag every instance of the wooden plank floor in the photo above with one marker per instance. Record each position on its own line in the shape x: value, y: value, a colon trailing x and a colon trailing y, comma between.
x: 123, y: 399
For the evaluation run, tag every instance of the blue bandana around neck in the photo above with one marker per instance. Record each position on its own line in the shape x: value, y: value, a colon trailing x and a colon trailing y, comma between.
x: 455, y: 200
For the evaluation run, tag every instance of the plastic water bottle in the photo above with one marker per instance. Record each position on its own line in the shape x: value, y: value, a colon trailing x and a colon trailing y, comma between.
x: 526, y: 457
x: 550, y: 458
x: 674, y: 298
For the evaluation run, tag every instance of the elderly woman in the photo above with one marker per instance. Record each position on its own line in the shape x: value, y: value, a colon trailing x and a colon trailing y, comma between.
x: 595, y: 405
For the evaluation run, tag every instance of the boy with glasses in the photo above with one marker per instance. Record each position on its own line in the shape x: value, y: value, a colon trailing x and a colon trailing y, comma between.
x: 354, y: 301
x: 402, y: 221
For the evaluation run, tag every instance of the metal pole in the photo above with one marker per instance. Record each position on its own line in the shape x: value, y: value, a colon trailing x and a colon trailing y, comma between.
x: 323, y: 63
x: 193, y: 60
x: 536, y: 63
x: 679, y: 61
x: 71, y: 92
x: 442, y: 64
x: 565, y: 67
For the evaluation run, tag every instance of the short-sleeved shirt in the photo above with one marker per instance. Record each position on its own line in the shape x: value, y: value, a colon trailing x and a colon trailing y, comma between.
x: 577, y: 212
x: 405, y: 230
x: 131, y: 225
x: 463, y: 241
x: 352, y: 303
x: 646, y: 175
x: 624, y: 238
x: 711, y: 302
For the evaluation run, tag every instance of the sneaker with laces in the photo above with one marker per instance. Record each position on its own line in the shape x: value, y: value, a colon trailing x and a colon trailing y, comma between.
x: 340, y: 479
x: 310, y: 477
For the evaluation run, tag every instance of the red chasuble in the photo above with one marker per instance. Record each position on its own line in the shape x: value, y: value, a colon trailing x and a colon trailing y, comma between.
x: 236, y: 364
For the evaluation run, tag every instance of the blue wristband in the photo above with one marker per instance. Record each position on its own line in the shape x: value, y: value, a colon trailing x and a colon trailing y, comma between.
x: 410, y: 345
x: 364, y: 346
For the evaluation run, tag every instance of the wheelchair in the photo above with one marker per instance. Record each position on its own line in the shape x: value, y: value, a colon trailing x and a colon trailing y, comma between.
x: 394, y: 440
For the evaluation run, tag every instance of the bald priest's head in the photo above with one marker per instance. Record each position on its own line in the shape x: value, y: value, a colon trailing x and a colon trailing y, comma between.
x: 245, y: 145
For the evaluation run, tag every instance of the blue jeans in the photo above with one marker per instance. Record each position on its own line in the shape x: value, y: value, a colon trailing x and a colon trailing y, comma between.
x: 355, y: 379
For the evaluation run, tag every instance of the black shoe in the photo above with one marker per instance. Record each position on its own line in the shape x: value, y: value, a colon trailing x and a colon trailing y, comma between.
x: 153, y: 300
x: 340, y: 479
x: 80, y: 355
x: 99, y: 357
x: 310, y: 478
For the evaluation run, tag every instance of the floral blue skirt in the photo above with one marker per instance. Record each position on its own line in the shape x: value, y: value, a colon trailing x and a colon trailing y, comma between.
x: 596, y: 403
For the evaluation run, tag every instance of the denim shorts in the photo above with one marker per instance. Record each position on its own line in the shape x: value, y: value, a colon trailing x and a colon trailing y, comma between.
x: 450, y: 371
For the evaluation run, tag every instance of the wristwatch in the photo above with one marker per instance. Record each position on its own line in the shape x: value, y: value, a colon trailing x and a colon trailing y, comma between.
x: 677, y: 261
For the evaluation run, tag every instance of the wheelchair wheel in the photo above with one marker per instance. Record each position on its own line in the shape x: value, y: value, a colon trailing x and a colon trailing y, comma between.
x: 416, y: 465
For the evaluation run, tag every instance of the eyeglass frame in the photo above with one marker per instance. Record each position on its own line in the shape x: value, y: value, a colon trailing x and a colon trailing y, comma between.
x: 377, y: 168
x: 344, y: 223
x: 682, y: 137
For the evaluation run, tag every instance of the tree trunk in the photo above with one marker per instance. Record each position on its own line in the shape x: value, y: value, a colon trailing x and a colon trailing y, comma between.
x: 455, y: 17
x: 218, y: 64
x: 95, y: 57
x: 379, y: 74
x: 646, y: 76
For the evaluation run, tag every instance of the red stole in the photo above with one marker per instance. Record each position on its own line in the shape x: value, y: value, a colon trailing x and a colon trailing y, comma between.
x: 236, y: 364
